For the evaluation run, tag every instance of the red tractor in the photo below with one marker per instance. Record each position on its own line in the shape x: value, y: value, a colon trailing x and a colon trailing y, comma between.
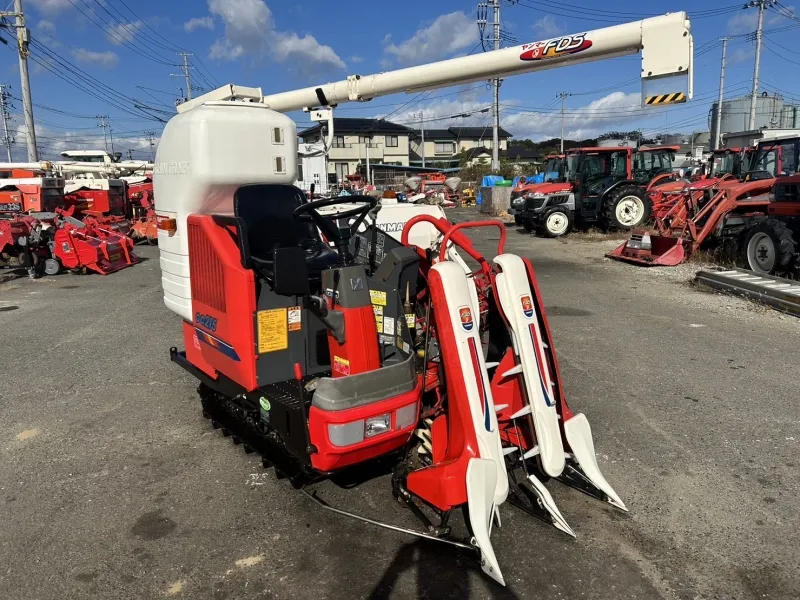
x: 729, y: 210
x: 773, y: 246
x: 607, y: 186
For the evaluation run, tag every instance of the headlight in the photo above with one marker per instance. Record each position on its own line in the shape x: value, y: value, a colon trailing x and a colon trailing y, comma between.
x: 516, y: 201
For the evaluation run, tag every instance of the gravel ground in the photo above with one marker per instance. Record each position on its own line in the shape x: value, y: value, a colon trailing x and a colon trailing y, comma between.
x: 112, y: 485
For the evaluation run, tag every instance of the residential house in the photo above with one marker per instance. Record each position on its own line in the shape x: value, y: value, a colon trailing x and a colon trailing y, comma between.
x: 357, y: 142
x: 443, y: 147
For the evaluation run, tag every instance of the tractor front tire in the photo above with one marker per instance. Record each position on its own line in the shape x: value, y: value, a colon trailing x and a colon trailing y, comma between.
x: 771, y: 248
x: 627, y: 207
x: 556, y: 221
x: 528, y: 225
x: 517, y: 220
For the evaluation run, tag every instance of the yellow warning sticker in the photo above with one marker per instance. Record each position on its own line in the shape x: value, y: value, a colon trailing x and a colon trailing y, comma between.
x: 341, y: 365
x: 273, y: 330
x: 411, y: 321
x: 377, y: 297
x: 378, y: 310
x: 295, y: 318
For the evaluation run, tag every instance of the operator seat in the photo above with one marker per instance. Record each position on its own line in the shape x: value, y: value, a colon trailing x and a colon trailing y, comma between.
x: 266, y: 210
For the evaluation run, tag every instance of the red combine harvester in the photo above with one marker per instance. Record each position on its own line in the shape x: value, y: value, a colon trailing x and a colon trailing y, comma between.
x: 335, y: 350
x: 118, y: 194
x: 727, y: 210
x: 30, y: 187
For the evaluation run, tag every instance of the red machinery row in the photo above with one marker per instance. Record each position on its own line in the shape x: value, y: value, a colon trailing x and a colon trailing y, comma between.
x: 755, y: 209
x: 87, y: 223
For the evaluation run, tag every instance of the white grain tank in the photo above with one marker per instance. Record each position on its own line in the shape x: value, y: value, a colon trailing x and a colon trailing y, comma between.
x: 204, y: 156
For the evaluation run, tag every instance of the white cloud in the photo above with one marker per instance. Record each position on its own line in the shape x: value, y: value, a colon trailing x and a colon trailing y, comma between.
x: 547, y: 27
x: 50, y: 6
x: 46, y: 25
x: 746, y: 21
x: 740, y: 56
x: 106, y: 59
x: 250, y: 31
x: 356, y: 59
x: 583, y: 122
x: 198, y: 23
x: 123, y: 32
x: 447, y: 35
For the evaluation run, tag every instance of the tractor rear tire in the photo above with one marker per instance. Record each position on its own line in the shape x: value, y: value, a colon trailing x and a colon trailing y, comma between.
x: 556, y: 221
x: 627, y: 207
x: 771, y: 248
x: 528, y: 225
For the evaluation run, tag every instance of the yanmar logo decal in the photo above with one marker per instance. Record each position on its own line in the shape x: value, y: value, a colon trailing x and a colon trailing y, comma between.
x: 570, y: 44
x: 527, y: 306
x: 465, y: 313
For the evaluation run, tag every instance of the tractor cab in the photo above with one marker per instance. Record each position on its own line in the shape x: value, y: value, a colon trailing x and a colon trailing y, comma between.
x: 727, y: 161
x: 653, y: 165
x: 597, y: 171
x: 555, y: 169
x: 776, y: 157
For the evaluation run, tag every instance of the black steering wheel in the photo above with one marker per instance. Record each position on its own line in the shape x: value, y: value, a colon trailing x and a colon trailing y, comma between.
x: 327, y: 223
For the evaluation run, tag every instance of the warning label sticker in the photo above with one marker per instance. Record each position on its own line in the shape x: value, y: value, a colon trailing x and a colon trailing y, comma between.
x: 273, y: 331
x: 377, y: 297
x: 341, y: 366
x: 378, y: 310
x: 388, y: 325
x: 295, y: 318
x: 411, y: 321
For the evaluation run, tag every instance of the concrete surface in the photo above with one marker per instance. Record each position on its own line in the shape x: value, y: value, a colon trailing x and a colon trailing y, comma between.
x: 112, y: 485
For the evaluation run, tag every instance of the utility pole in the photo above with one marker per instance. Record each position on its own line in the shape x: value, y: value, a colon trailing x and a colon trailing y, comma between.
x: 105, y: 124
x: 4, y: 102
x: 151, y: 138
x: 186, y: 68
x: 422, y: 128
x: 718, y: 136
x: 563, y: 96
x: 761, y: 5
x: 22, y: 48
x: 496, y: 90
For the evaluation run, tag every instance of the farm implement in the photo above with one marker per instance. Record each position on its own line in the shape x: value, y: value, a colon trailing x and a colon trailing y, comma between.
x: 337, y: 351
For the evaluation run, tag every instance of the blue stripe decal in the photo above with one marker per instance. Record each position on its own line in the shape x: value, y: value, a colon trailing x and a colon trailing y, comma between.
x: 481, y: 386
x: 540, y: 366
x: 217, y: 344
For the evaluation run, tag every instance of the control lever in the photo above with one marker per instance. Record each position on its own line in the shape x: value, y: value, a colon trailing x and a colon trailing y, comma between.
x: 332, y: 319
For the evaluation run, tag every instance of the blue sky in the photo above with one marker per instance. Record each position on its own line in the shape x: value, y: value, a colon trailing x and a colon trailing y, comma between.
x: 126, y: 53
